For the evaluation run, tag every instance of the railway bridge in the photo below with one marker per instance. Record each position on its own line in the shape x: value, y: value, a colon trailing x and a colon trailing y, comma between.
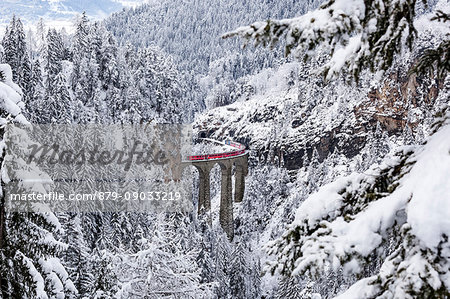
x: 204, y: 163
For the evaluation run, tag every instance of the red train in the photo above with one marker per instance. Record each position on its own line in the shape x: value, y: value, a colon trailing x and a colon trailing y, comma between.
x: 220, y: 155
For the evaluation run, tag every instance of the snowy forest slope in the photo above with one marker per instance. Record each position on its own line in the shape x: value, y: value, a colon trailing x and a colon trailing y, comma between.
x: 165, y: 62
x: 191, y: 30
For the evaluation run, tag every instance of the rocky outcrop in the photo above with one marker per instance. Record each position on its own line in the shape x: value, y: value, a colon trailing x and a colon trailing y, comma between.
x: 281, y: 130
x: 400, y: 101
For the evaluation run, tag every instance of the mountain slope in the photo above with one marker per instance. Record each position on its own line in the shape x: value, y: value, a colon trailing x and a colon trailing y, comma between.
x: 191, y: 30
x: 59, y: 12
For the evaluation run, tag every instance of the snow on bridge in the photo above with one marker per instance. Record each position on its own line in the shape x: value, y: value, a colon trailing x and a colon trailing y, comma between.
x: 238, y: 150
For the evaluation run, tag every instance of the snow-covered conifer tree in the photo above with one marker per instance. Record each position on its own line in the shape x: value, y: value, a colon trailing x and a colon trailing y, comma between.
x: 52, y: 60
x: 29, y: 244
x: 77, y: 258
x: 396, y: 212
x: 17, y: 55
x: 356, y: 34
x: 36, y: 102
x: 240, y: 272
x: 162, y: 267
x: 288, y: 288
x: 222, y: 257
x: 81, y: 48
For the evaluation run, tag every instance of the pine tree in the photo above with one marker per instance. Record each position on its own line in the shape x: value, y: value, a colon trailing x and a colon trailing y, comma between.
x: 115, y: 104
x: 57, y: 104
x: 420, y: 135
x: 314, y: 171
x: 23, y: 60
x: 9, y: 45
x: 240, y: 272
x: 204, y: 261
x: 357, y: 35
x: 95, y: 37
x: 222, y: 257
x: 29, y: 242
x: 91, y: 84
x: 108, y: 69
x: 105, y: 281
x: 40, y: 36
x: 63, y: 97
x: 288, y: 288
x: 81, y: 41
x: 77, y: 258
x: 379, y: 144
x: 408, y: 138
x: 305, y: 159
x: 52, y: 60
x: 255, y: 276
x: 34, y: 107
x: 17, y: 56
x: 81, y: 48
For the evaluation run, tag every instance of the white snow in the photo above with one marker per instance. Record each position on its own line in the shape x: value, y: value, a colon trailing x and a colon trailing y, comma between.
x: 57, y: 277
x: 361, y: 289
x: 325, y: 202
x: 424, y: 193
x: 11, y: 95
x: 36, y: 276
x: 428, y: 184
x: 422, y: 196
x: 343, y: 55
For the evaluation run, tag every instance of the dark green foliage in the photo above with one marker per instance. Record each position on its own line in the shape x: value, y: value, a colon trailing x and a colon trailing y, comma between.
x: 436, y: 62
x: 354, y: 201
x: 52, y: 59
x: 240, y: 272
x: 379, y: 34
x: 16, y: 55
x: 288, y: 288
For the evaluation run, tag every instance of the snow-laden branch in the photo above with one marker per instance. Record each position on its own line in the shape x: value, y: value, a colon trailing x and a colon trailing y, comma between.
x: 357, y: 34
x: 11, y: 95
x: 403, y: 204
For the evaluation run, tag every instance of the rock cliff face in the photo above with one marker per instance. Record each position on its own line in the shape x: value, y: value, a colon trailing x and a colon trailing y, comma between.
x: 285, y: 127
x: 402, y: 100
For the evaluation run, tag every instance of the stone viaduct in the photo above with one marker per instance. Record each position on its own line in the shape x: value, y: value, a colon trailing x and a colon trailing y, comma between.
x: 204, y: 167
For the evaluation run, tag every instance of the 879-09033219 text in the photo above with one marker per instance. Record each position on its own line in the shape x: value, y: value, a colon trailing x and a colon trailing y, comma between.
x: 98, y: 195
